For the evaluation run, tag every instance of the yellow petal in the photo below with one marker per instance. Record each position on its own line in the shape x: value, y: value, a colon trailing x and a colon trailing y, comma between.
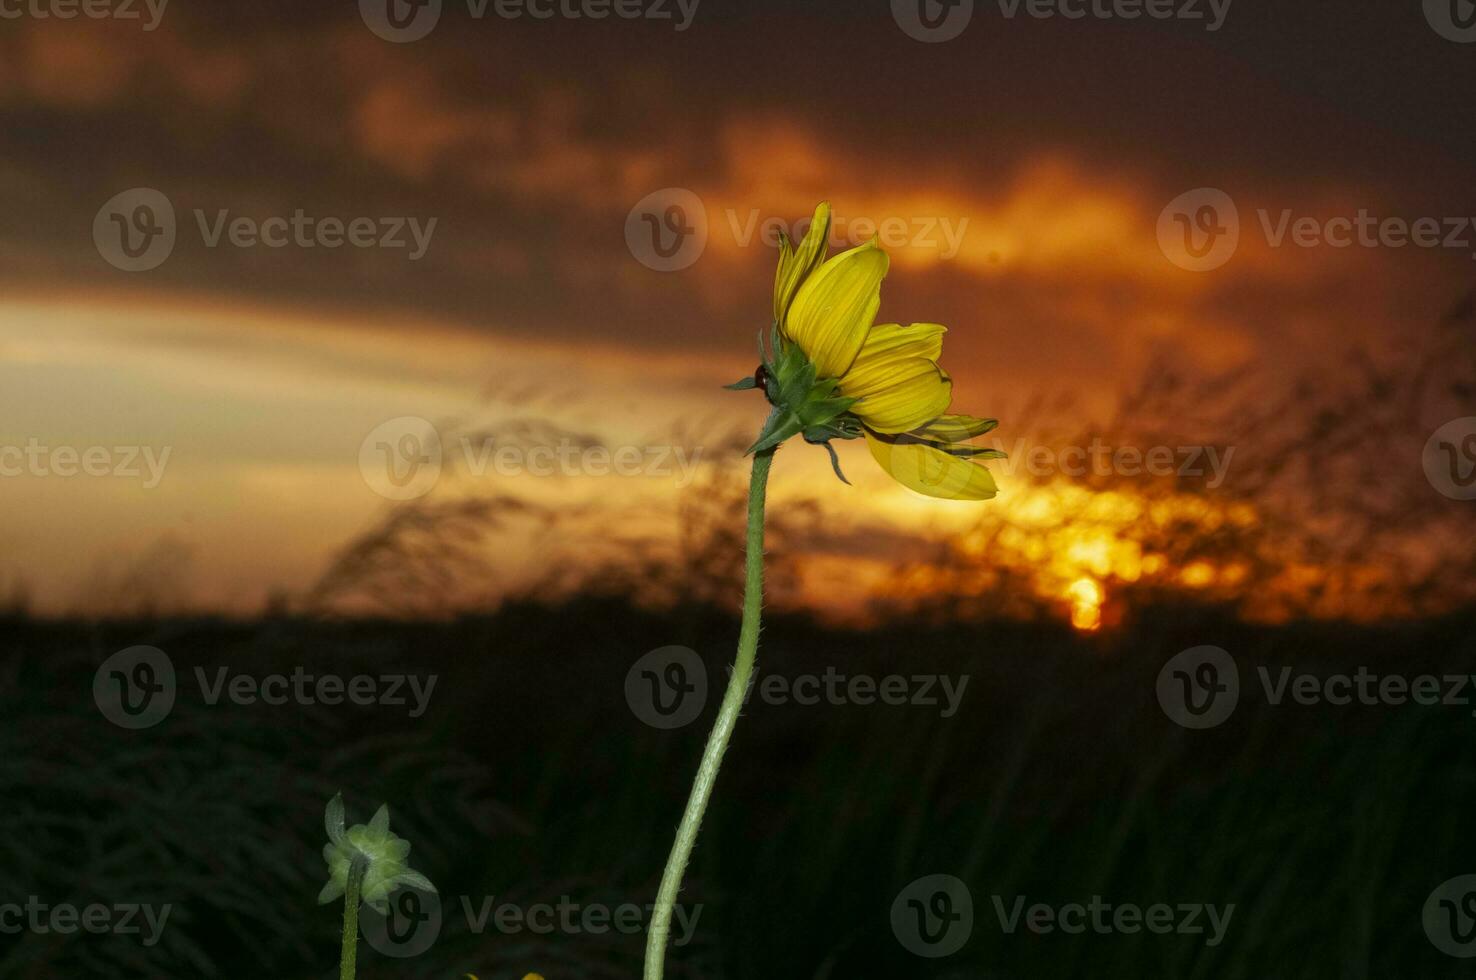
x: 835, y: 307
x: 918, y: 392
x: 783, y: 274
x: 795, y: 265
x: 931, y: 471
x: 890, y: 348
x: 920, y: 339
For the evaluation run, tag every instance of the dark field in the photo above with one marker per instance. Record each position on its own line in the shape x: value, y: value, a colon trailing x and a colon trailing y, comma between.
x: 529, y: 782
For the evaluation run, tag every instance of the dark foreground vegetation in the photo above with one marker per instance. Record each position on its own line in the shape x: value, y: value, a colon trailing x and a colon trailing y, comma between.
x: 529, y: 781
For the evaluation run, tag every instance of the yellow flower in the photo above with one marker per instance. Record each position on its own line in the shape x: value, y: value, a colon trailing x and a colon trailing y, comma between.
x: 826, y: 307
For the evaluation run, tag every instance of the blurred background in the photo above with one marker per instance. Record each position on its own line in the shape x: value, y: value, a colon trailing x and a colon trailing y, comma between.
x: 388, y: 341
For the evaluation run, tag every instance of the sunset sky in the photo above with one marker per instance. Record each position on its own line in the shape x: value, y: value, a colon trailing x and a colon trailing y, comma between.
x: 1019, y: 174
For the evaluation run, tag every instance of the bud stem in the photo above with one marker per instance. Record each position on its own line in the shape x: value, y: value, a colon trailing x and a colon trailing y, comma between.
x: 348, y: 960
x: 722, y: 728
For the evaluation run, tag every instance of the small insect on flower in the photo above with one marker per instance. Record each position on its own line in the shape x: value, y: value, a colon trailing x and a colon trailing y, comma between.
x: 831, y: 372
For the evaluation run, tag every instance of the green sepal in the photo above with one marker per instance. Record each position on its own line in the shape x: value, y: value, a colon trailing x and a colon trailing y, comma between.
x: 333, y: 818
x: 949, y: 434
x: 331, y: 892
x: 802, y: 403
x: 743, y: 384
x: 974, y: 452
x: 415, y: 880
x: 779, y: 427
x: 840, y: 427
x: 834, y: 459
x: 956, y: 428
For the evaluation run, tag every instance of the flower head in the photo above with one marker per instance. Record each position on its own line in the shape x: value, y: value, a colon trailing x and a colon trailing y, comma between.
x: 831, y: 372
x: 380, y: 854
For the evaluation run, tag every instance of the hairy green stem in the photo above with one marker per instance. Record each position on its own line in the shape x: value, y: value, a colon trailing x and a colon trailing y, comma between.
x: 722, y: 728
x: 348, y: 959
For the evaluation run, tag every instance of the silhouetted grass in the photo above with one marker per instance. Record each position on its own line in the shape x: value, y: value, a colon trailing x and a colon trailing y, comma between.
x: 529, y: 779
